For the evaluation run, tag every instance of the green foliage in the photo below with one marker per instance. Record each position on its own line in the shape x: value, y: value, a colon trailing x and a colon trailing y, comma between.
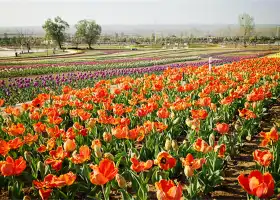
x: 55, y: 30
x: 89, y: 31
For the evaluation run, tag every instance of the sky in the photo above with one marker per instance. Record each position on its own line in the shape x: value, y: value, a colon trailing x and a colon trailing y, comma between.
x: 133, y: 12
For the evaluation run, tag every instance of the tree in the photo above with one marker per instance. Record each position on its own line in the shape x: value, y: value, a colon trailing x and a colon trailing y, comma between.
x: 76, y: 41
x: 89, y: 31
x: 247, y: 26
x: 26, y: 39
x: 55, y: 30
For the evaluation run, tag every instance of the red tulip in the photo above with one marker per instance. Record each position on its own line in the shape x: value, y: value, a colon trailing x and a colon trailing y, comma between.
x: 264, y: 158
x: 12, y: 167
x: 222, y: 128
x: 257, y: 184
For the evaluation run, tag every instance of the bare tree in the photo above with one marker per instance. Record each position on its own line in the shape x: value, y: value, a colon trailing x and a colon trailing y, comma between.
x: 247, y: 26
x: 26, y: 39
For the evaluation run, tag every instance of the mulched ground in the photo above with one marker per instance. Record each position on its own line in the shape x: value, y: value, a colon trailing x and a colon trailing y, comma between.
x: 243, y: 162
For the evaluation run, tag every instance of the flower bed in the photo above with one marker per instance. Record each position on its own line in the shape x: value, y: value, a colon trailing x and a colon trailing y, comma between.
x: 123, y: 137
x: 27, y: 70
x: 31, y: 87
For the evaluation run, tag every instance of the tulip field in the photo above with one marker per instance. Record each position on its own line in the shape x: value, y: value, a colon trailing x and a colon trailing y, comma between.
x: 130, y: 129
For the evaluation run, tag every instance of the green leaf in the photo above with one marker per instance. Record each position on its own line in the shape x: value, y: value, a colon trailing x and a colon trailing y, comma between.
x: 126, y: 195
x: 107, y: 191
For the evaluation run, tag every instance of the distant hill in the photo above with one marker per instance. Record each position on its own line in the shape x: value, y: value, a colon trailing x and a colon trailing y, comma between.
x: 147, y: 30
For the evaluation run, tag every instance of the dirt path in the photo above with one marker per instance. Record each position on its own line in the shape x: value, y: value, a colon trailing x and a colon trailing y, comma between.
x: 243, y: 162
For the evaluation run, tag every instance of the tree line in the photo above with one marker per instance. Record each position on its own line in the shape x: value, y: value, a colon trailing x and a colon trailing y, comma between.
x: 89, y: 32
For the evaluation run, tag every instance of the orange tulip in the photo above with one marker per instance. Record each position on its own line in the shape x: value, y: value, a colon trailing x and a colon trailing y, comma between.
x: 141, y: 112
x: 4, y: 147
x: 42, y: 149
x: 159, y: 126
x: 45, y: 193
x: 37, y: 102
x: 39, y: 127
x: 193, y: 163
x: 68, y: 178
x: 56, y: 159
x: 247, y: 114
x: 227, y: 101
x: 165, y: 161
x: 199, y: 114
x: 221, y: 149
x: 202, y: 146
x: 163, y: 113
x: 83, y: 156
x: 257, y: 184
x: 271, y: 136
x: 66, y: 89
x: 96, y: 142
x: 204, y: 102
x: 140, y: 166
x: 12, y: 167
x: 69, y: 145
x: 16, y: 129
x: 167, y: 190
x: 103, y: 173
x: 2, y: 102
x: 120, y: 132
x: 30, y: 139
x: 50, y: 181
x: 107, y: 137
x: 222, y: 128
x: 51, y: 143
x: 193, y: 124
x: 264, y: 158
x: 15, y: 143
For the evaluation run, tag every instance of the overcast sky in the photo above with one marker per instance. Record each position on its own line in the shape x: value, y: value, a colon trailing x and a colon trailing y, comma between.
x: 35, y: 12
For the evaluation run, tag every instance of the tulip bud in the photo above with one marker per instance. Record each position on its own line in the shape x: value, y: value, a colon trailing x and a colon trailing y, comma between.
x: 248, y: 137
x: 172, y: 115
x: 237, y: 127
x: 188, y: 122
x: 26, y: 198
x: 121, y: 181
x: 188, y: 171
x: 91, y: 122
x: 174, y: 145
x: 41, y: 167
x: 254, y: 105
x: 133, y: 155
x: 27, y: 156
x: 168, y: 145
x: 69, y: 145
x: 246, y: 105
x: 107, y: 137
x: 176, y: 121
x: 97, y: 151
x: 212, y: 139
x: 109, y: 156
x: 213, y: 106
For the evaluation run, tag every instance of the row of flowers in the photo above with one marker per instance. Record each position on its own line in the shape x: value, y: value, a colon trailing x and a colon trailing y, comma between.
x: 89, y: 66
x: 124, y: 136
x: 29, y: 88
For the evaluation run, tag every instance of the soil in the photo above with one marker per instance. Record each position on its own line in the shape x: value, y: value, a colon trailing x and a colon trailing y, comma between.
x: 243, y: 163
